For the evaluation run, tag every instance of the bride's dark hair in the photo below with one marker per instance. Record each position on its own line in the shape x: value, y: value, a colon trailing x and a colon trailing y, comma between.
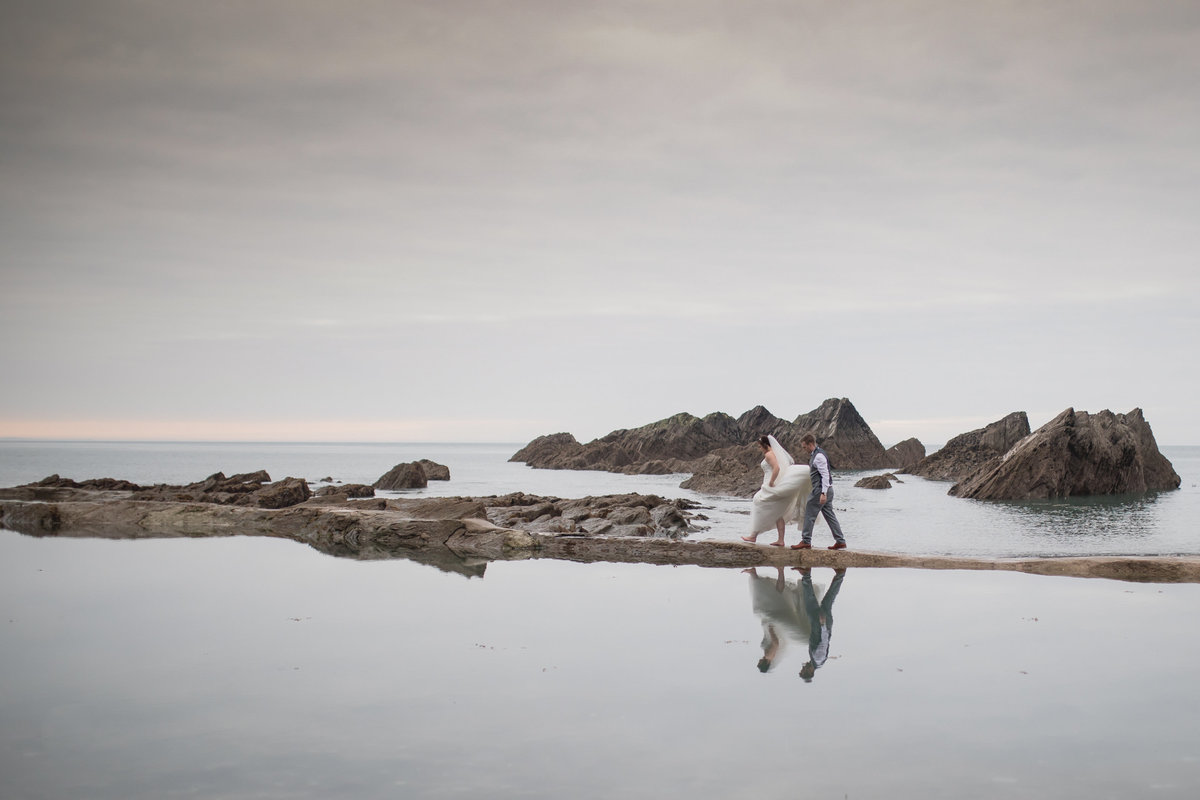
x: 764, y: 442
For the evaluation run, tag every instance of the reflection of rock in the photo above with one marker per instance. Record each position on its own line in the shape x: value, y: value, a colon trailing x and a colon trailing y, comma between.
x: 903, y: 455
x: 403, y: 476
x: 969, y: 451
x: 1074, y: 454
x: 718, y: 450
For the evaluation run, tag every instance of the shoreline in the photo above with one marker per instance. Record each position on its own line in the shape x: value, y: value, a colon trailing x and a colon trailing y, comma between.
x: 453, y: 536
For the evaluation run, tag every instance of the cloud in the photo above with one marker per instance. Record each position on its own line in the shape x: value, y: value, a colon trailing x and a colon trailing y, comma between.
x: 237, y: 185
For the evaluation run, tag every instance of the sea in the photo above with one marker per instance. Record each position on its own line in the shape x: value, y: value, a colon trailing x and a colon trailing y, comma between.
x: 257, y: 667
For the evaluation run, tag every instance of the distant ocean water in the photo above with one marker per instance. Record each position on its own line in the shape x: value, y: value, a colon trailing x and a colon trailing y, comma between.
x: 916, y: 516
x: 252, y: 666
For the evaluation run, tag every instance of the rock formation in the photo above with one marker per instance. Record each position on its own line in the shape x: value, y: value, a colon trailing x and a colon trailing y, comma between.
x: 967, y: 452
x: 903, y: 455
x: 350, y: 491
x: 883, y: 481
x: 842, y: 433
x: 1074, y: 454
x: 434, y: 471
x: 718, y: 450
x: 245, y: 489
x: 403, y: 476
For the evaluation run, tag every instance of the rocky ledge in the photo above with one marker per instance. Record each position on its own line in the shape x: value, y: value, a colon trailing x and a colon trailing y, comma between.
x: 455, y: 534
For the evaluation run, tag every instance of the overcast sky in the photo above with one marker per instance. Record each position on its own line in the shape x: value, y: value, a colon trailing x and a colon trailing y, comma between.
x: 485, y: 221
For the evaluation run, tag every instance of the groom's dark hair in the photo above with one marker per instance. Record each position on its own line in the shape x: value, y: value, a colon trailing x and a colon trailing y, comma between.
x: 808, y: 438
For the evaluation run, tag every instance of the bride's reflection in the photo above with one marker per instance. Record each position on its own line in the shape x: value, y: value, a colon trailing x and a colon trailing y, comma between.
x: 791, y: 613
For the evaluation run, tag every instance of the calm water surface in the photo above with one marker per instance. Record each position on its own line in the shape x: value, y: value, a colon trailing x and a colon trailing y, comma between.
x: 258, y: 668
x: 250, y: 668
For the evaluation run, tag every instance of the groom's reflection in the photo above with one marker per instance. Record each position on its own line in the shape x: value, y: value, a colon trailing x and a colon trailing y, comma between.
x: 820, y: 619
x: 791, y: 613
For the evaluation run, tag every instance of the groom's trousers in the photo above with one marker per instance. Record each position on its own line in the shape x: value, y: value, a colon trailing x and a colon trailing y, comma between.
x: 813, y: 508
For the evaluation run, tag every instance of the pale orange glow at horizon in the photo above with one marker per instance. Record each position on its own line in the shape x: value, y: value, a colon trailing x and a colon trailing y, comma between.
x: 283, y: 430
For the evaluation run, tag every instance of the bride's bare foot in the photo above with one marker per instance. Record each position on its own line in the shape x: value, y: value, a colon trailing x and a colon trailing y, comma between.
x: 750, y: 539
x: 776, y: 544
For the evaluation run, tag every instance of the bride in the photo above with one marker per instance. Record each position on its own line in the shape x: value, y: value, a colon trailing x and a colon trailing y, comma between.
x: 784, y: 483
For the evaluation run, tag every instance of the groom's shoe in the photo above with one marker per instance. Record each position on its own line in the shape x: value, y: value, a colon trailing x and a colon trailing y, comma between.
x: 838, y: 546
x: 802, y: 546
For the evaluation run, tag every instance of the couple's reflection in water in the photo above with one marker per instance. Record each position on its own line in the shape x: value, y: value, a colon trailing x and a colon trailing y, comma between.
x: 791, y: 614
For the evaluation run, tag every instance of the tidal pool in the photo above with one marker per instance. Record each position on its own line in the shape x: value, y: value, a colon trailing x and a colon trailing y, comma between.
x: 259, y: 668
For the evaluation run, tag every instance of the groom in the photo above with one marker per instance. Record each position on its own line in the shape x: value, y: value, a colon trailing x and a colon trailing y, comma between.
x: 821, y: 499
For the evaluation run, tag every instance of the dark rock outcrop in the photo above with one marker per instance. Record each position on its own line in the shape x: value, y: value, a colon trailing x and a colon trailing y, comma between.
x: 1075, y: 454
x: 434, y: 471
x: 347, y: 490
x: 903, y: 455
x: 842, y: 433
x: 718, y: 450
x: 878, y: 481
x: 545, y: 452
x: 729, y: 475
x: 244, y: 489
x: 281, y: 494
x: 103, y: 484
x: 968, y: 452
x: 403, y: 476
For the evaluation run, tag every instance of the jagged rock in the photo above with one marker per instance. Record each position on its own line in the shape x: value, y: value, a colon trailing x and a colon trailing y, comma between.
x: 721, y: 475
x: 903, y: 455
x: 1074, y: 454
x: 403, y: 476
x: 967, y: 452
x: 686, y: 443
x: 434, y: 471
x: 103, y: 484
x: 842, y: 433
x: 555, y: 447
x: 874, y: 482
x: 281, y: 494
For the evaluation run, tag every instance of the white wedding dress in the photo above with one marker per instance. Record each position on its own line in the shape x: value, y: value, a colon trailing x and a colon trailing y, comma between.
x: 781, y: 501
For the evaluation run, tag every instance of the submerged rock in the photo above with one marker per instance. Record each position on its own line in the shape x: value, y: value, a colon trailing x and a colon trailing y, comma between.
x: 967, y: 452
x: 1074, y: 454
